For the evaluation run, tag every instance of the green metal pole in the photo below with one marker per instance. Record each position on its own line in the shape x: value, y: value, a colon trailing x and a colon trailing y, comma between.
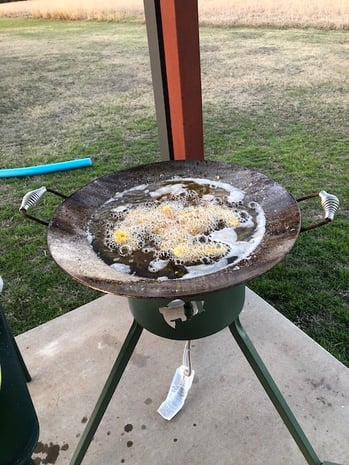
x: 107, y: 392
x: 274, y: 393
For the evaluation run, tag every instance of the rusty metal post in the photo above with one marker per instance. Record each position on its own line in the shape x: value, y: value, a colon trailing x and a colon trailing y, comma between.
x: 173, y: 37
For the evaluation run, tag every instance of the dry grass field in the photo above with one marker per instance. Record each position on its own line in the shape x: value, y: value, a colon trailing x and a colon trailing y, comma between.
x: 329, y: 14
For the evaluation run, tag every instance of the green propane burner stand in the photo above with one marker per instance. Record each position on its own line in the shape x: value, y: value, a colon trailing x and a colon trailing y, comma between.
x: 187, y: 318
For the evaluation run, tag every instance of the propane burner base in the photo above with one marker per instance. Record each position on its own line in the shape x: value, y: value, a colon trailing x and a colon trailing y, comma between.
x: 189, y: 318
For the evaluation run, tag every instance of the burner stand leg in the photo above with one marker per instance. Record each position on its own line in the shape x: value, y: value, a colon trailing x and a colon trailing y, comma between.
x: 107, y: 392
x: 274, y: 393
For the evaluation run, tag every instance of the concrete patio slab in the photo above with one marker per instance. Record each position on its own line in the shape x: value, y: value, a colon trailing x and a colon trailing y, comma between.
x: 227, y: 418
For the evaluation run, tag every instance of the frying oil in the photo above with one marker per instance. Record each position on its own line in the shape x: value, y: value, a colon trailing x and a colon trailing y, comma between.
x: 177, y: 229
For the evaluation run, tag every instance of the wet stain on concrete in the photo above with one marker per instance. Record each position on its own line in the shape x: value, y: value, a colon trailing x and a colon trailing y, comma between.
x: 324, y: 401
x: 144, y: 427
x: 322, y: 385
x: 315, y: 383
x: 140, y: 360
x: 128, y: 427
x: 48, y: 453
x: 109, y: 340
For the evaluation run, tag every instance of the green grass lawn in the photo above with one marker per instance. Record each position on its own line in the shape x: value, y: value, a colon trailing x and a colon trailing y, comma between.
x: 274, y: 100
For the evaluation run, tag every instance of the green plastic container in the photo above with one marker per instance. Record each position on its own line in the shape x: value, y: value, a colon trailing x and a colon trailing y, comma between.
x: 19, y: 426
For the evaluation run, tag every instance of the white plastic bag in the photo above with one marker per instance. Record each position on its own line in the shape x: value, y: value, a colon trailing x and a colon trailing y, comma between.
x: 180, y: 385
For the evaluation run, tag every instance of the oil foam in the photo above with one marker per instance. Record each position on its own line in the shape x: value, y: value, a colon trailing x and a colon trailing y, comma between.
x: 177, y: 229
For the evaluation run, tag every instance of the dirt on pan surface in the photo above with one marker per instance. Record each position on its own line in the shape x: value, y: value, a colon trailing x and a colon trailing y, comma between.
x: 282, y: 13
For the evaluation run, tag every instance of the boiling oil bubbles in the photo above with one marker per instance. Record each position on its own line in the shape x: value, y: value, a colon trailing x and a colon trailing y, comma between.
x: 179, y: 228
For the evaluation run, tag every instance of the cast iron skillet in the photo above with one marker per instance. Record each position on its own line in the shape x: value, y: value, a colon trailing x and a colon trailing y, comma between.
x: 68, y: 243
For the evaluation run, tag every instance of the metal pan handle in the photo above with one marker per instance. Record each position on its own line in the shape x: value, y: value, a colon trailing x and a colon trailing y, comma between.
x: 32, y: 198
x: 330, y: 204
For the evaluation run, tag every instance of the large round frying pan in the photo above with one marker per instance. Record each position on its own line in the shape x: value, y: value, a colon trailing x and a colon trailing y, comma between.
x: 70, y: 246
